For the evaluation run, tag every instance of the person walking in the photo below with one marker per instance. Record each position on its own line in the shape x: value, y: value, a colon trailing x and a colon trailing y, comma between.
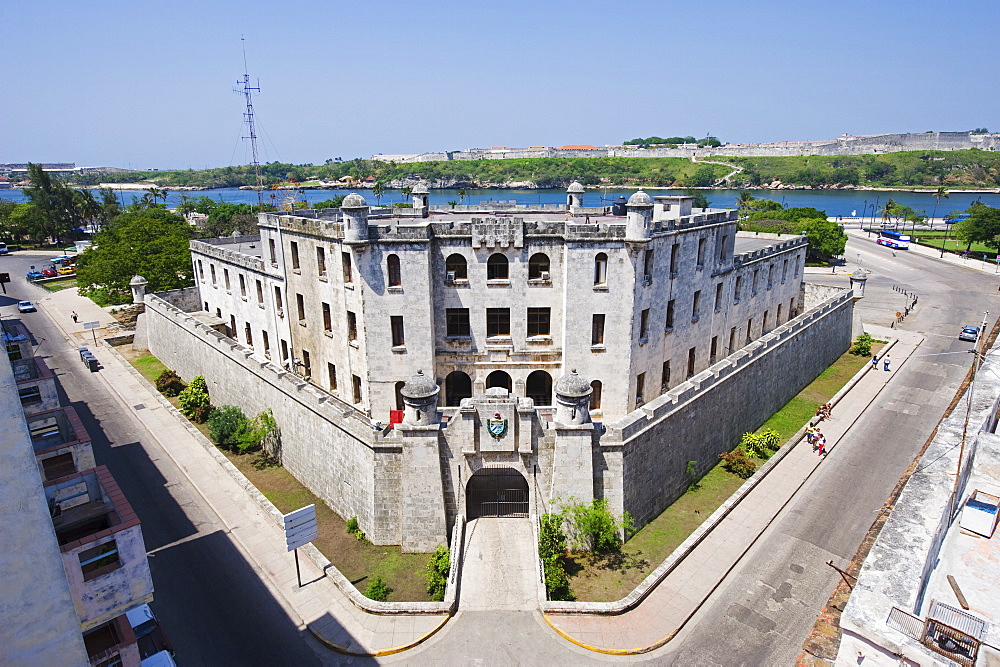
x: 875, y: 362
x: 885, y: 362
x: 74, y: 316
x: 822, y: 445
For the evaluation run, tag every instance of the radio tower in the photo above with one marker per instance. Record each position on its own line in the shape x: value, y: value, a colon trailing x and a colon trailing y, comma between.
x: 244, y: 88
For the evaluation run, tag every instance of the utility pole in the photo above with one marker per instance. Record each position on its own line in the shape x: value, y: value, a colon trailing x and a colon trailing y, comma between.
x: 244, y: 88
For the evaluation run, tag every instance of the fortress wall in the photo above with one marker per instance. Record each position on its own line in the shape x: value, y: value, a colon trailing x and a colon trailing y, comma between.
x: 325, y: 443
x: 707, y: 415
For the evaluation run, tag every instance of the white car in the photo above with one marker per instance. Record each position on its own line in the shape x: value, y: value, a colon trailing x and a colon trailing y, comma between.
x: 25, y: 307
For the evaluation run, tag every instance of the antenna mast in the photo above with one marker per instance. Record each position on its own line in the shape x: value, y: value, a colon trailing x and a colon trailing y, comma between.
x: 244, y: 88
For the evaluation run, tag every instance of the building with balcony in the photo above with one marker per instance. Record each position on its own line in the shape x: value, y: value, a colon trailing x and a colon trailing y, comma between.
x: 36, y: 385
x: 61, y: 444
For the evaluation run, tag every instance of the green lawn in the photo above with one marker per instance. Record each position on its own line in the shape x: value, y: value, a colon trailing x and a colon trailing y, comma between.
x: 607, y: 578
x: 934, y: 239
x: 57, y: 285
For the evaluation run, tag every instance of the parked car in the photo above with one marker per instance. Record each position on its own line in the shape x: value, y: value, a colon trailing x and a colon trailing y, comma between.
x: 66, y: 270
x: 25, y: 307
x: 33, y: 275
x: 969, y: 333
x: 50, y: 272
x: 151, y: 640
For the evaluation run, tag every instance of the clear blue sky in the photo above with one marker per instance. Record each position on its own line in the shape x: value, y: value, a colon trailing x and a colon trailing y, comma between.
x: 144, y: 84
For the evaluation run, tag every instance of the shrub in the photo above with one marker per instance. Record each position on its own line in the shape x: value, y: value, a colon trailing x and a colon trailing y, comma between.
x: 354, y: 529
x: 202, y: 413
x: 552, y: 550
x: 738, y: 463
x: 377, y: 590
x: 169, y: 383
x: 761, y: 445
x: 227, y: 426
x: 863, y: 345
x: 594, y: 528
x: 194, y: 396
x: 437, y: 572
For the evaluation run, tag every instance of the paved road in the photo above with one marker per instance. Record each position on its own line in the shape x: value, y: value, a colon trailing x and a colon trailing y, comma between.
x: 764, y: 611
x: 212, y: 604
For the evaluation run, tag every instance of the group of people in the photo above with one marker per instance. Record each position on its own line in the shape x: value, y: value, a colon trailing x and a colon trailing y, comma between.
x: 816, y: 438
x: 823, y: 411
x: 885, y: 362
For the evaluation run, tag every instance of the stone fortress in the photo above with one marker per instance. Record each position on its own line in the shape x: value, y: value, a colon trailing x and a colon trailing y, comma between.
x: 427, y: 363
x: 872, y: 144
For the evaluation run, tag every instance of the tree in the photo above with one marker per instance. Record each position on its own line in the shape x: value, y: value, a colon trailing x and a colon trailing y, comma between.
x: 939, y: 194
x: 826, y: 238
x: 982, y: 226
x: 152, y: 243
x: 378, y: 190
x: 462, y: 194
x: 406, y: 191
x: 744, y: 204
x: 56, y: 206
x: 888, y: 211
x: 330, y: 203
x: 700, y: 200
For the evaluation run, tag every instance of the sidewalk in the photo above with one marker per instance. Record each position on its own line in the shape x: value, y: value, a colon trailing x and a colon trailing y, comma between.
x: 319, y: 605
x: 655, y: 620
x: 951, y: 258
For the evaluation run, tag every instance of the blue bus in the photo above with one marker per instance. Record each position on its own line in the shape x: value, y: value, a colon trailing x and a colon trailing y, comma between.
x: 892, y: 239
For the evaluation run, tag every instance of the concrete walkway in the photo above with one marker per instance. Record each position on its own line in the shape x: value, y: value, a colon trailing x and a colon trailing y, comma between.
x: 498, y: 573
x: 319, y: 605
x: 656, y: 619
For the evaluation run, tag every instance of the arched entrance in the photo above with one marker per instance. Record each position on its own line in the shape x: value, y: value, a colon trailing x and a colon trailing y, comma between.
x: 497, y: 492
x: 499, y: 379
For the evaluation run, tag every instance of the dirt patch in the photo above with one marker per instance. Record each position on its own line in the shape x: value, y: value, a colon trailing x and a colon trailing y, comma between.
x: 126, y: 315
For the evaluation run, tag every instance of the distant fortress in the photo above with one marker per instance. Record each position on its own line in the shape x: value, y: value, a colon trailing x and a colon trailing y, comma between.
x: 871, y: 144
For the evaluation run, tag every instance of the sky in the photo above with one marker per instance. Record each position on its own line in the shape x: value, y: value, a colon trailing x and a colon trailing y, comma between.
x: 150, y: 85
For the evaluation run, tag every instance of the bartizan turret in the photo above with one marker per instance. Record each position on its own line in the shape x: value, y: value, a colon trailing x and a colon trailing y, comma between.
x: 355, y: 210
x: 639, y: 221
x: 574, y: 195
x: 420, y: 199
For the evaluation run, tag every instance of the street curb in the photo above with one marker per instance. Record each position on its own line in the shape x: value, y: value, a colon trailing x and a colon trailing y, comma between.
x: 377, y: 654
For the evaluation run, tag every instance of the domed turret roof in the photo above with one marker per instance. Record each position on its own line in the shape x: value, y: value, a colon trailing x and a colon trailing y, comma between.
x: 640, y: 198
x: 419, y: 386
x: 354, y: 200
x: 138, y: 280
x: 572, y: 385
x: 419, y: 189
x: 575, y: 187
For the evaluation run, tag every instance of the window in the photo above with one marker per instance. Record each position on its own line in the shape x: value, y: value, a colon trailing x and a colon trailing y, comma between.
x: 538, y: 387
x: 295, y: 255
x: 696, y: 306
x: 718, y: 297
x: 499, y: 379
x: 225, y: 277
x: 321, y: 261
x: 260, y: 294
x: 777, y: 320
x: 538, y: 322
x: 457, y: 323
x: 665, y: 377
x: 714, y: 351
x: 770, y: 276
x: 274, y: 253
x: 306, y: 364
x: 352, y: 326
x: 211, y: 267
x: 675, y: 259
x: 457, y: 385
x: 737, y: 289
x: 795, y: 268
x: 647, y: 267
x: 732, y: 340
x: 749, y: 330
x: 701, y: 254
x: 644, y: 325
x: 356, y: 387
x: 327, y: 319
x: 345, y: 260
x: 284, y: 351
x: 30, y: 395
x: 94, y: 561
x: 763, y: 326
x: 722, y: 248
x: 692, y: 357
x: 399, y: 395
x: 791, y: 308
x: 597, y: 330
x: 393, y: 274
x: 331, y: 375
x: 248, y: 333
x: 206, y: 309
x: 601, y: 269
x: 232, y: 327
x: 243, y: 287
x: 201, y: 270
x: 753, y: 283
x: 396, y: 326
x: 640, y: 389
x: 456, y: 267
x: 595, y: 396
x: 538, y: 267
x: 497, y: 267
x: 300, y: 305
x: 55, y: 467
x: 784, y: 271
x: 267, y: 343
x: 278, y: 303
x: 497, y: 322
x: 670, y: 315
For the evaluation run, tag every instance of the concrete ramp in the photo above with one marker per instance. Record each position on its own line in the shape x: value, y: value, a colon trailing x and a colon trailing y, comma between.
x: 499, y: 568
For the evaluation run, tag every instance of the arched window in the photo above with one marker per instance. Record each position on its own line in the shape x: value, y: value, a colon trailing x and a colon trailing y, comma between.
x: 595, y: 397
x: 399, y: 395
x: 539, y: 388
x: 392, y: 269
x: 456, y: 267
x: 499, y: 379
x: 538, y: 267
x: 457, y: 386
x: 601, y: 269
x: 497, y: 267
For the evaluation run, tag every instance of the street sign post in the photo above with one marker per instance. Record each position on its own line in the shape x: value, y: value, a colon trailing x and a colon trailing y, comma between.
x: 300, y: 529
x: 94, y: 326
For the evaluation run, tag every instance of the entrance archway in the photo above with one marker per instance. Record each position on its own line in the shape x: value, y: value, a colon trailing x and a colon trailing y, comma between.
x: 499, y: 379
x: 496, y: 492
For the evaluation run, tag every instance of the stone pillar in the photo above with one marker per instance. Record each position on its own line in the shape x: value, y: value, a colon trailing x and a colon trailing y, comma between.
x: 355, y: 212
x: 639, y: 220
x: 858, y: 280
x: 423, y: 513
x: 138, y: 285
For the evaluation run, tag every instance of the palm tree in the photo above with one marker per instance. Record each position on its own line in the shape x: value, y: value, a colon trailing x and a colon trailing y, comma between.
x: 378, y: 190
x: 407, y: 191
x: 461, y: 195
x: 940, y: 193
x: 744, y: 204
x: 888, y: 211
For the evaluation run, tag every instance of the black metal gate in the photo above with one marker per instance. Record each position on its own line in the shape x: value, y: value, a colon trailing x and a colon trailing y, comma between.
x: 500, y: 492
